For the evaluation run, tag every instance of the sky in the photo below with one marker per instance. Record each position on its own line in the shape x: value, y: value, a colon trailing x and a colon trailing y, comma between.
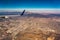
x: 37, y: 4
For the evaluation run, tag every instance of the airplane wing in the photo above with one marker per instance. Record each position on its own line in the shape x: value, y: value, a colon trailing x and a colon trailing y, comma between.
x: 22, y: 12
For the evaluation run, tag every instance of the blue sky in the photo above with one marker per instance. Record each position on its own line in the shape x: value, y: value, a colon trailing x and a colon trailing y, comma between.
x: 29, y: 4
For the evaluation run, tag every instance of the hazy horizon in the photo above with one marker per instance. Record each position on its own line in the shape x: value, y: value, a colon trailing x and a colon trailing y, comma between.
x: 33, y: 10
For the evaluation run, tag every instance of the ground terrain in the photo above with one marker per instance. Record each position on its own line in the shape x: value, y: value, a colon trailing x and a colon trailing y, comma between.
x: 30, y: 28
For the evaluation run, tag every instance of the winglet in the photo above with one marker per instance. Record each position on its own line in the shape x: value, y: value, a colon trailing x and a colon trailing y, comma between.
x: 23, y: 12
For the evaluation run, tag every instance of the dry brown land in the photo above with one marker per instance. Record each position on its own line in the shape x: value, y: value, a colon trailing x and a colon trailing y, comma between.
x: 30, y: 28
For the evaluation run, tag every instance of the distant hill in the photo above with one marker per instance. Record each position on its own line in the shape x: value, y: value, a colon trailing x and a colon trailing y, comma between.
x: 31, y: 14
x: 9, y: 13
x: 42, y: 15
